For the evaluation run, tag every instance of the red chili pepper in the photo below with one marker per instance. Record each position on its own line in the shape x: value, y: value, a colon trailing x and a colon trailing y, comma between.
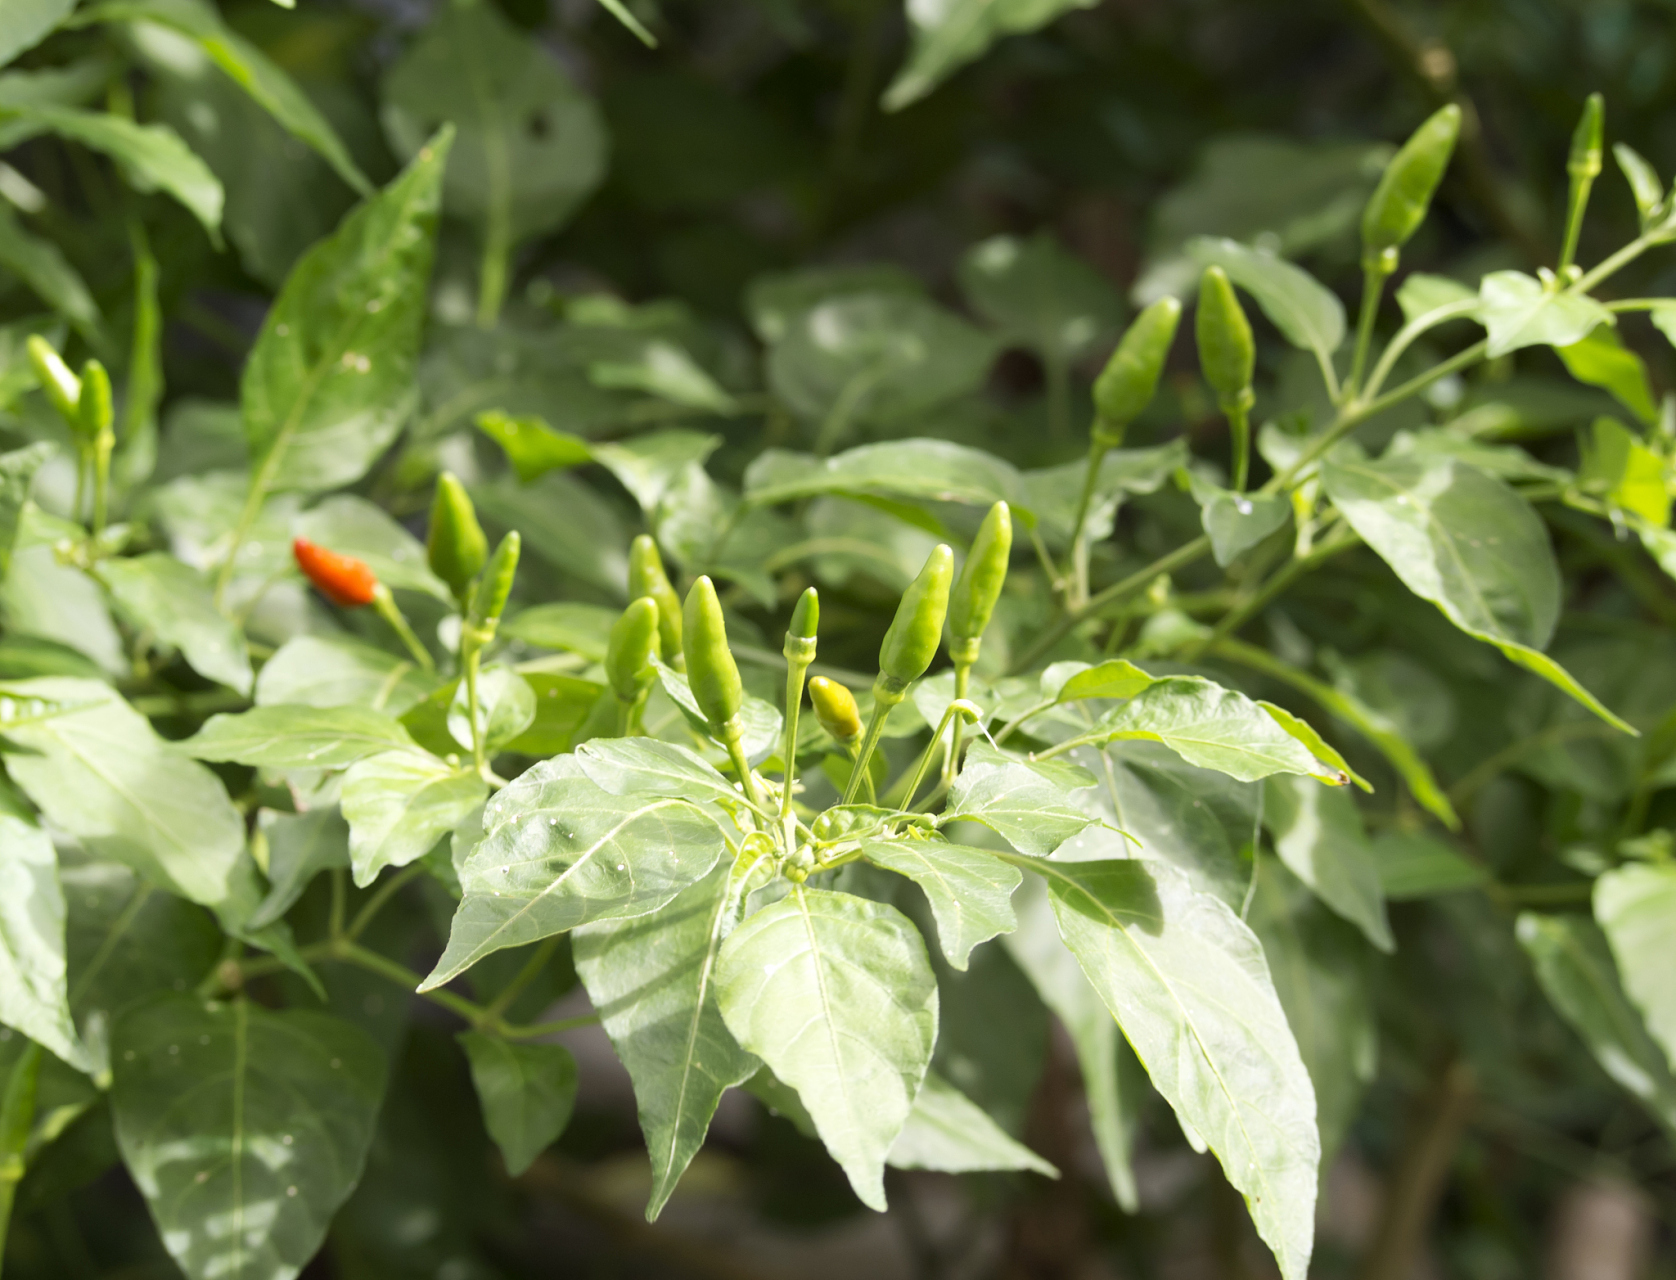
x: 343, y: 580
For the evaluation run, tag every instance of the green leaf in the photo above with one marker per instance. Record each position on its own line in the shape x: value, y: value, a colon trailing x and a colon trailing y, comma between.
x: 1469, y: 544
x: 102, y: 774
x: 244, y: 1129
x: 565, y: 523
x: 1040, y: 295
x: 653, y: 981
x: 1307, y: 313
x: 1415, y: 865
x: 1574, y: 966
x: 948, y: 36
x: 1024, y: 803
x: 400, y: 803
x: 762, y: 720
x: 836, y: 994
x: 666, y: 371
x: 1236, y: 522
x: 647, y: 767
x: 355, y: 527
x: 34, y: 992
x: 1321, y: 974
x: 1519, y: 312
x: 527, y: 1092
x: 171, y: 600
x: 877, y: 359
x: 1644, y: 183
x: 40, y: 265
x: 1318, y: 834
x: 297, y: 737
x: 562, y: 707
x: 948, y: 1132
x: 1113, y: 678
x: 532, y: 447
x: 1422, y: 294
x: 1314, y: 743
x: 25, y: 23
x: 41, y: 597
x: 300, y: 846
x: 651, y: 466
x: 915, y: 470
x: 1602, y: 360
x: 774, y: 302
x: 559, y: 851
x: 970, y: 891
x: 531, y: 145
x: 1212, y: 727
x: 1629, y: 475
x: 1187, y: 982
x: 17, y: 476
x: 330, y: 380
x: 1053, y: 494
x: 151, y: 156
x: 1636, y: 906
x: 335, y: 671
x: 505, y: 708
x: 570, y: 628
x: 250, y: 68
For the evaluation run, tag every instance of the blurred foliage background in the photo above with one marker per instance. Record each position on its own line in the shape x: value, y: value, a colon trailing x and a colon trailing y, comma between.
x: 753, y: 139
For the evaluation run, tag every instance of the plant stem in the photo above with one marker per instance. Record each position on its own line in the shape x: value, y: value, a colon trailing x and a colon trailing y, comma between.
x: 795, y: 672
x: 951, y: 765
x: 385, y: 603
x: 1373, y: 288
x: 470, y: 660
x: 1239, y: 427
x: 1182, y: 556
x: 954, y: 713
x: 875, y: 726
x: 533, y: 966
x: 1406, y: 336
x: 747, y: 776
x: 379, y: 900
x: 1079, y: 532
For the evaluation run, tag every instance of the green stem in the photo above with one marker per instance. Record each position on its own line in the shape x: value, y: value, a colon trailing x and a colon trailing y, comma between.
x: 1182, y: 556
x: 1239, y: 427
x: 1278, y: 582
x: 385, y: 603
x: 951, y: 765
x: 1374, y: 276
x: 379, y: 900
x: 532, y: 967
x: 795, y: 673
x: 531, y: 1032
x: 470, y: 661
x: 1079, y: 532
x: 875, y: 727
x: 1582, y: 183
x: 747, y: 776
x: 955, y: 713
x: 1406, y: 336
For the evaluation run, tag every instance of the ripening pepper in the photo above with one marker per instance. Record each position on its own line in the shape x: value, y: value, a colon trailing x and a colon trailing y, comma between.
x: 805, y: 621
x: 973, y: 599
x: 62, y: 386
x: 1227, y: 351
x: 911, y: 643
x: 835, y: 708
x: 455, y: 543
x: 1130, y: 379
x: 343, y: 580
x: 648, y: 579
x: 711, y: 671
x: 628, y: 654
x: 1399, y: 203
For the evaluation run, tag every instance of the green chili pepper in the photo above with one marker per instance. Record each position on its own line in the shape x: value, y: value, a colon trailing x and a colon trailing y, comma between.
x: 972, y: 602
x: 805, y: 621
x: 94, y: 411
x: 835, y: 708
x: 455, y: 545
x: 1399, y: 203
x: 63, y: 388
x: 914, y: 633
x: 1227, y: 352
x: 1588, y: 143
x: 493, y: 588
x: 647, y: 578
x: 628, y: 655
x: 1130, y: 379
x: 711, y: 671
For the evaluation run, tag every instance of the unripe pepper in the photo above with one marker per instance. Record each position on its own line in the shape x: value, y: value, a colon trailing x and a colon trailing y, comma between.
x: 976, y: 591
x: 455, y: 543
x: 1588, y: 143
x: 648, y: 579
x: 711, y: 671
x: 494, y: 587
x: 1399, y: 203
x: 628, y: 655
x: 1130, y: 379
x: 1227, y: 351
x: 835, y: 708
x: 805, y: 621
x: 62, y: 386
x: 94, y: 411
x: 343, y: 580
x: 911, y: 643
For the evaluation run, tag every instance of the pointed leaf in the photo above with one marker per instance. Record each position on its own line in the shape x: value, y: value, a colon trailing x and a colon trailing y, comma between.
x: 1025, y: 803
x: 1319, y: 836
x: 1187, y: 982
x: 1636, y: 906
x: 34, y: 995
x: 171, y: 600
x: 1519, y: 312
x: 558, y: 851
x: 1307, y: 313
x: 290, y: 736
x: 244, y: 1129
x: 653, y: 981
x: 949, y: 35
x: 336, y: 671
x: 948, y: 1132
x: 400, y: 803
x: 836, y: 994
x: 25, y: 23
x: 527, y: 1092
x: 971, y: 892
